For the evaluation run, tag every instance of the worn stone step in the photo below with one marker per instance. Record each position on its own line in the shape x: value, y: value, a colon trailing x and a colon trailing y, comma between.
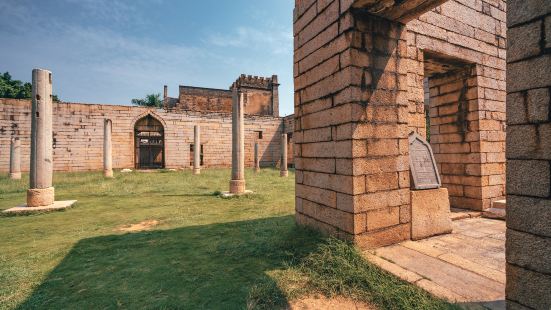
x: 499, y: 204
x: 494, y: 213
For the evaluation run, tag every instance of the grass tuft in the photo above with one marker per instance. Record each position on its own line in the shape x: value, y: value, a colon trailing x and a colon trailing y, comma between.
x: 337, y: 268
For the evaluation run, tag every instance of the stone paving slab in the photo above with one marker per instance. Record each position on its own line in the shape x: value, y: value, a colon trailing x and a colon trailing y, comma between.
x: 466, y: 266
x: 56, y: 206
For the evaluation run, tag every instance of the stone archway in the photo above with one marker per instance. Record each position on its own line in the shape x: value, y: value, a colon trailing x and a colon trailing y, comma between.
x: 149, y: 143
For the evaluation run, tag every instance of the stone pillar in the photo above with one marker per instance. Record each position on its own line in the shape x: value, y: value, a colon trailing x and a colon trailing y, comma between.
x: 283, y: 166
x: 41, y: 192
x: 237, y: 183
x: 528, y: 242
x: 196, y: 150
x: 15, y: 159
x: 107, y: 148
x: 275, y: 96
x: 256, y: 157
x: 351, y: 128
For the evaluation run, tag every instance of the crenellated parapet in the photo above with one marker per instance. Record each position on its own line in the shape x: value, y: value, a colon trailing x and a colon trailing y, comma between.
x: 250, y: 81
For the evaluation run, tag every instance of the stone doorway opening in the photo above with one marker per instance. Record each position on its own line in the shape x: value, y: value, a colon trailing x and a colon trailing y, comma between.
x: 469, y: 170
x: 149, y: 143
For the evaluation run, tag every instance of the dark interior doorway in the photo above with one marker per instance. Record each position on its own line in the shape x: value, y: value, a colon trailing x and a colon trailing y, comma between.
x: 149, y: 141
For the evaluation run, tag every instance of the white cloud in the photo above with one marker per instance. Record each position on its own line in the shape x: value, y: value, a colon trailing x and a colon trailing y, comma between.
x: 277, y: 41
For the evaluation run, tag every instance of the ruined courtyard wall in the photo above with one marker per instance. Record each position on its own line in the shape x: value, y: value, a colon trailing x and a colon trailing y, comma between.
x: 78, y: 135
x: 204, y: 99
x: 474, y: 32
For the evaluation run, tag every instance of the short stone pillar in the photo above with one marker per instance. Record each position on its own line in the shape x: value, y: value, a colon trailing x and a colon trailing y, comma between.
x: 41, y: 192
x: 196, y: 150
x: 237, y: 183
x: 283, y: 167
x: 107, y: 149
x: 256, y: 157
x: 15, y: 159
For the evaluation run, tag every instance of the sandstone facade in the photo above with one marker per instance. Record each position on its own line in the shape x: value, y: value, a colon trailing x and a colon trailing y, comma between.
x: 78, y: 135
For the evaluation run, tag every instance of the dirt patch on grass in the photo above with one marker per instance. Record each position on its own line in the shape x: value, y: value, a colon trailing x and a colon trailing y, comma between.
x: 322, y: 302
x: 145, y: 225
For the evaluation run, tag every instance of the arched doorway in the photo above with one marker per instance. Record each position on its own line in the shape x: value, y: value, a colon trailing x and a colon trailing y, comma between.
x: 149, y: 140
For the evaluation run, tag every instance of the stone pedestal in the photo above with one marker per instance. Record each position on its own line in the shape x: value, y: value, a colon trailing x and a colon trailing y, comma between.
x: 107, y: 149
x: 237, y: 183
x: 430, y: 213
x: 196, y: 150
x: 256, y: 158
x: 283, y: 167
x: 15, y: 159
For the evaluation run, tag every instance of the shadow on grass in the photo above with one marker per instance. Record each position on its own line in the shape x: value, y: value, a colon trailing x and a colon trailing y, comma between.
x: 211, y: 266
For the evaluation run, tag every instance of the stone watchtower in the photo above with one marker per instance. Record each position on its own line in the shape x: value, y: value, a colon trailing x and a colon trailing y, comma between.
x: 262, y: 94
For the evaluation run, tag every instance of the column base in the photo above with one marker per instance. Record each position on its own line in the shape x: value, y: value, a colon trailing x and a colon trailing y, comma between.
x: 15, y: 176
x: 26, y: 210
x: 256, y: 169
x: 40, y: 197
x: 284, y: 173
x: 196, y: 171
x: 237, y: 186
x: 108, y: 173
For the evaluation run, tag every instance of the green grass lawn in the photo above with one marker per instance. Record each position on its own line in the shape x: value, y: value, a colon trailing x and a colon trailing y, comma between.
x: 207, y: 252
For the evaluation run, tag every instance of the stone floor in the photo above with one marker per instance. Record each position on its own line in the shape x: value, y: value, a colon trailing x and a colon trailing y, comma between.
x: 466, y: 266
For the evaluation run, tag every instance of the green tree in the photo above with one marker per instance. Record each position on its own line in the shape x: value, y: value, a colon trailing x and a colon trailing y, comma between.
x: 16, y: 89
x: 151, y: 100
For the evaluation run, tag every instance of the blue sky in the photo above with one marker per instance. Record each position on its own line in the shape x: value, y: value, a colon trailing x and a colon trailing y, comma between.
x: 110, y: 51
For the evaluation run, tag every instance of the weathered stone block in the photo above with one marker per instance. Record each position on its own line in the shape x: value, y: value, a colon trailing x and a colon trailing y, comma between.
x: 528, y: 251
x: 529, y: 214
x: 528, y: 177
x: 430, y: 213
x: 528, y: 288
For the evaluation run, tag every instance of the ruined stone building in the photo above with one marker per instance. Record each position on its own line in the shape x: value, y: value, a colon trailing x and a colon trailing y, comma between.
x: 360, y: 85
x: 362, y: 69
x: 149, y: 138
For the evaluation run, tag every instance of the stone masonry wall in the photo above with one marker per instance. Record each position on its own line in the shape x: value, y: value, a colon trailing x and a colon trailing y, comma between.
x: 78, y: 135
x: 528, y: 243
x: 204, y: 99
x: 473, y: 32
x: 351, y: 123
x: 456, y: 141
x: 358, y: 94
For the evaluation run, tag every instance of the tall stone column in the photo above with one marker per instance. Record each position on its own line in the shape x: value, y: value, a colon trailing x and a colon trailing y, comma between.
x: 15, y: 159
x: 196, y: 149
x: 283, y: 167
x: 107, y: 149
x: 237, y: 183
x: 41, y: 192
x: 275, y: 96
x: 256, y: 157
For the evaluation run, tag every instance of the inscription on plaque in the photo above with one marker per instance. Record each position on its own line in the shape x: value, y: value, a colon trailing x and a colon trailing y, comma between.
x: 424, y: 172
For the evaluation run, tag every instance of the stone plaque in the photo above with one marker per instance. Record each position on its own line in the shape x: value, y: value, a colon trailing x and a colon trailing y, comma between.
x: 424, y: 173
